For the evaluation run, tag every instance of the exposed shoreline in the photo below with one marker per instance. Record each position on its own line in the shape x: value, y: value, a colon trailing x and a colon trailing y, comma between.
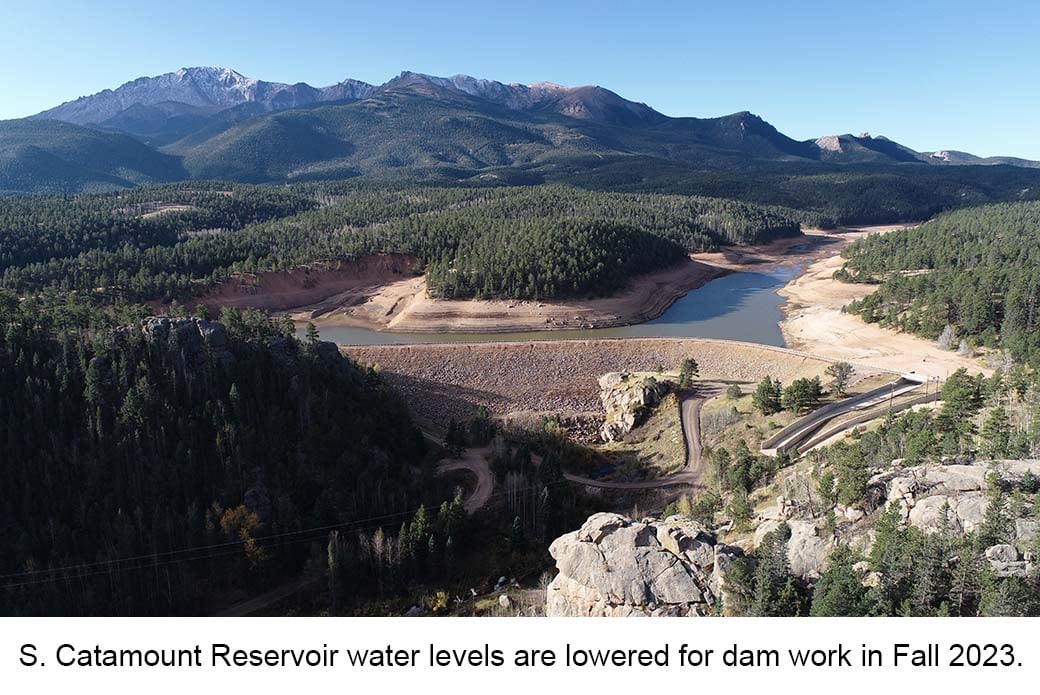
x: 815, y: 323
x: 384, y: 293
x: 647, y: 297
x: 558, y: 375
x: 404, y: 307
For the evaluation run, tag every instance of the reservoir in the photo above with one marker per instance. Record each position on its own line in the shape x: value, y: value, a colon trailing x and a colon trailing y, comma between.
x: 739, y: 306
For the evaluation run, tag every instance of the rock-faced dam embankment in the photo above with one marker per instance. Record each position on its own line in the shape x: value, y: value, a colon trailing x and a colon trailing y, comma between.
x: 441, y: 381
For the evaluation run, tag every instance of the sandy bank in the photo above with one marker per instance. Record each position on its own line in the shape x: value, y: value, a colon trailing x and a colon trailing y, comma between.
x: 815, y: 323
x: 811, y: 244
x: 446, y: 380
x: 646, y: 297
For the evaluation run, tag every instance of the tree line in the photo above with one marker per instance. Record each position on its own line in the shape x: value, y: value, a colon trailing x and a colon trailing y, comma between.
x: 509, y: 242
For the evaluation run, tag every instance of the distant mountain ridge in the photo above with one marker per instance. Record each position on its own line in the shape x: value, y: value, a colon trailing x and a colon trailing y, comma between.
x: 217, y: 123
x: 211, y: 89
x: 205, y: 88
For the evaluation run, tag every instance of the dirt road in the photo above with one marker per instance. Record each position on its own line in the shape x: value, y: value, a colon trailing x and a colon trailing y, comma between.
x: 693, y: 473
x: 683, y: 478
x: 475, y: 462
x: 690, y: 416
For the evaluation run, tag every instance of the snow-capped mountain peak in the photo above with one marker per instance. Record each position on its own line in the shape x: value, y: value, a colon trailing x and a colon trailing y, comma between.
x: 206, y: 88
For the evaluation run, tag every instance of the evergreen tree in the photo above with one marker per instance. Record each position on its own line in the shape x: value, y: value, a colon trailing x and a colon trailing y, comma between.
x: 740, y: 510
x: 802, y: 395
x: 839, y: 591
x: 853, y: 476
x: 455, y: 439
x: 962, y: 395
x: 775, y: 591
x: 996, y: 526
x: 996, y: 434
x: 767, y: 396
x: 688, y: 371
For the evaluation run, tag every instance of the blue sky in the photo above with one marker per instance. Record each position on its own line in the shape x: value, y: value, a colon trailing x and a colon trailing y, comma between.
x: 953, y: 74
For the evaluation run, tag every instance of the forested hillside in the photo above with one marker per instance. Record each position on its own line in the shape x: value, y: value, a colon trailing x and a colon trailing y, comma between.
x: 37, y: 229
x: 517, y: 241
x: 858, y: 194
x: 972, y: 274
x: 159, y: 467
x: 53, y: 157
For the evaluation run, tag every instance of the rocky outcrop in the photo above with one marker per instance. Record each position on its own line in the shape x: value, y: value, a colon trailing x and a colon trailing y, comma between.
x: 614, y: 566
x: 627, y: 400
x: 195, y: 338
x: 947, y: 497
x: 808, y: 549
x: 1005, y: 561
x: 1027, y: 531
x: 937, y: 498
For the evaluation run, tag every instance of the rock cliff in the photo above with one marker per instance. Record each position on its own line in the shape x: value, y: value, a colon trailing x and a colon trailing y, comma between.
x: 627, y: 400
x: 614, y: 566
x: 952, y: 496
x: 934, y: 498
x: 195, y: 338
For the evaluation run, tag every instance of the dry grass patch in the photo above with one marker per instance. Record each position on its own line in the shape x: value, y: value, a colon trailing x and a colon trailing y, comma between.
x: 655, y: 448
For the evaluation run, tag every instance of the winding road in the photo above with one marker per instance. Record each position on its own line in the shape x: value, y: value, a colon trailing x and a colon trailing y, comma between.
x: 474, y: 461
x: 693, y: 472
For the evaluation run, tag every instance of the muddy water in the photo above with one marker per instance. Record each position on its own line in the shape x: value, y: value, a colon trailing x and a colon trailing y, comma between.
x: 741, y: 306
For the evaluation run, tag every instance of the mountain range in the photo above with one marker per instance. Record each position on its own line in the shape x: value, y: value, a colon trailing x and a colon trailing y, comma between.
x: 216, y: 123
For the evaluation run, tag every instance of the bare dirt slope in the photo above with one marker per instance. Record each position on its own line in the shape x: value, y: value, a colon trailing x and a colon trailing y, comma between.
x: 343, y: 283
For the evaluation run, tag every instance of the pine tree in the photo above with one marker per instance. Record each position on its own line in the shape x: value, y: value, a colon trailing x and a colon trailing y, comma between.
x: 802, y: 395
x: 853, y: 475
x: 767, y: 396
x: 996, y: 434
x: 839, y: 591
x: 740, y: 510
x: 775, y: 591
x: 962, y: 395
x: 688, y: 371
x: 454, y: 440
x: 996, y: 525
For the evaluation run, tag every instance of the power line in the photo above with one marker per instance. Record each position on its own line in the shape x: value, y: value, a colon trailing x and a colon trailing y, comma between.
x: 105, y: 567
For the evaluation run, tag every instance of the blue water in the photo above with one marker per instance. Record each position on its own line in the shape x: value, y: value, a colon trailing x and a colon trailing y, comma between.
x: 739, y: 306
